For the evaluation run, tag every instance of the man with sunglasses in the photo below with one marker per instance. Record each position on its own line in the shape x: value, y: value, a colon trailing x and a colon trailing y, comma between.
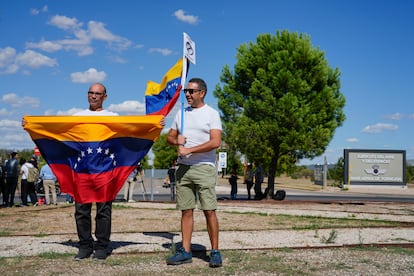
x: 197, y: 141
x: 96, y: 96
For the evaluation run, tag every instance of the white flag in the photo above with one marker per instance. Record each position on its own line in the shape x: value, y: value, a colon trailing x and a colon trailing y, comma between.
x: 189, y: 49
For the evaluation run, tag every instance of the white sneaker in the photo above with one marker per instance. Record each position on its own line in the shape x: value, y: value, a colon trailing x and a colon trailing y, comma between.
x: 131, y: 201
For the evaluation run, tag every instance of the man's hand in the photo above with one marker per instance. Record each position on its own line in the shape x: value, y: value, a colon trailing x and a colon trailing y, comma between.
x: 23, y: 122
x: 162, y: 121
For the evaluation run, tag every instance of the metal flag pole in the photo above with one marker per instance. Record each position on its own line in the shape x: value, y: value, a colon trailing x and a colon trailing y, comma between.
x: 188, y: 55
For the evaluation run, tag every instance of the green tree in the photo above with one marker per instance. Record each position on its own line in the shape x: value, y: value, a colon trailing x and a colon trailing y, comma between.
x: 164, y: 154
x: 337, y: 172
x: 282, y: 102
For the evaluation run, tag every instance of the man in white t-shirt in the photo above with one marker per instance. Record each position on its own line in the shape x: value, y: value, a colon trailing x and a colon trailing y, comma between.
x: 96, y: 96
x: 197, y: 142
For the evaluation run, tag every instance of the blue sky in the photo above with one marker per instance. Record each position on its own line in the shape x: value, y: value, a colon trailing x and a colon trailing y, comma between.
x: 51, y: 51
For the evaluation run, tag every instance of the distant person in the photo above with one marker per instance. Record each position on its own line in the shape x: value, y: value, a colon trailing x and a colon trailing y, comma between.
x: 69, y: 199
x: 27, y: 188
x: 12, y: 176
x: 171, y: 178
x: 49, y: 184
x: 233, y: 183
x: 33, y: 160
x: 129, y: 186
x: 2, y: 180
x: 258, y: 178
x: 196, y: 173
x: 249, y: 179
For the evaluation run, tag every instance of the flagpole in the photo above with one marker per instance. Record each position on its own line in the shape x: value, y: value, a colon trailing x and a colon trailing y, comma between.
x: 183, y: 79
x: 188, y: 56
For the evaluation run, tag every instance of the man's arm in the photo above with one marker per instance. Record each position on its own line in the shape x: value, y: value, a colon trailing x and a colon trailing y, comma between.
x: 213, y: 143
x: 175, y: 139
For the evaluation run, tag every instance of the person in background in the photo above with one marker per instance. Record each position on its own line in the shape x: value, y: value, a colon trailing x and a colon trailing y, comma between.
x: 196, y: 172
x: 2, y: 180
x: 12, y: 176
x: 130, y: 185
x: 69, y: 199
x: 33, y: 160
x: 233, y: 182
x: 171, y: 178
x: 49, y: 184
x: 249, y: 179
x: 258, y: 178
x: 27, y: 188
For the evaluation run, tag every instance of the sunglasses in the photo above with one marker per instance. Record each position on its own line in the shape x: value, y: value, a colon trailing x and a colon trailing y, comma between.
x: 98, y: 94
x: 191, y: 91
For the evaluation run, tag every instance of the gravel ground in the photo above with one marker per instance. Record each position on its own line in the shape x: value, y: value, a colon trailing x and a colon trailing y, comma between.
x: 42, y: 240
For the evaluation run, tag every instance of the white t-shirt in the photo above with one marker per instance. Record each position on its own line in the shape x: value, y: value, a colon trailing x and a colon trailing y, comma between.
x: 88, y: 112
x: 197, y: 125
x: 25, y: 169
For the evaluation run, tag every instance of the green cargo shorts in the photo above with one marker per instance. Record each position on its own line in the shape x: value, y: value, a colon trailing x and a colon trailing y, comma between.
x: 196, y: 182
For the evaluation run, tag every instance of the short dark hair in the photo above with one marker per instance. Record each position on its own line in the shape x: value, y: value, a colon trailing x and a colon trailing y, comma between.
x: 201, y: 83
x: 13, y: 154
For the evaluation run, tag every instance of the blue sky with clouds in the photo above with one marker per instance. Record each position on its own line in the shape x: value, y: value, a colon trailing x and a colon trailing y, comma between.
x: 51, y: 51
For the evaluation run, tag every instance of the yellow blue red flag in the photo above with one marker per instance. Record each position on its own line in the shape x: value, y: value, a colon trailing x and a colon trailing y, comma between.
x: 160, y: 98
x: 92, y: 156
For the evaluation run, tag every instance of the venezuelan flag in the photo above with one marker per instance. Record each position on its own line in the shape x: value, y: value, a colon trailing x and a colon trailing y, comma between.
x: 92, y: 156
x: 160, y: 98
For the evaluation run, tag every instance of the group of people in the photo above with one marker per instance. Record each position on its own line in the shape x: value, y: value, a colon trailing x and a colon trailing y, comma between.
x: 252, y: 178
x: 196, y: 136
x: 16, y: 169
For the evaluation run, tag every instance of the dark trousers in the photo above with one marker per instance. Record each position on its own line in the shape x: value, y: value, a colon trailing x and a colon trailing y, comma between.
x: 9, y: 191
x: 27, y: 189
x: 103, y: 219
x: 249, y: 185
x: 258, y: 190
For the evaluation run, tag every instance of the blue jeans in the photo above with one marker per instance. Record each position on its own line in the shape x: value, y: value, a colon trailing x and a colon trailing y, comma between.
x: 69, y: 198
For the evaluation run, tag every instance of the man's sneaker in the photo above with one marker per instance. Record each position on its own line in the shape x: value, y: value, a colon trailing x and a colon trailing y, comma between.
x: 215, y: 259
x: 180, y: 257
x: 83, y: 254
x: 100, y: 254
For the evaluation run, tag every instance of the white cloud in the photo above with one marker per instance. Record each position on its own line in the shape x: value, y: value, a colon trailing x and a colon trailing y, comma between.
x: 35, y: 60
x: 352, y: 140
x: 128, y: 107
x: 69, y: 111
x: 90, y: 75
x: 378, y: 128
x: 98, y: 31
x: 35, y: 11
x: 411, y: 116
x: 395, y: 116
x: 82, y: 38
x: 182, y: 16
x: 13, y: 135
x: 47, y: 46
x: 5, y: 112
x: 15, y: 101
x: 162, y: 51
x: 7, y: 60
x: 10, y: 62
x: 65, y: 23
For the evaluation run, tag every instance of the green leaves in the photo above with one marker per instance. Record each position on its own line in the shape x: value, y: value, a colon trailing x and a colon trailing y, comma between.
x: 282, y: 99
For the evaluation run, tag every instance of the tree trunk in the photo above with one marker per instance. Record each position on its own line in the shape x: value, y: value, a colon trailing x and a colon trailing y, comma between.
x: 271, y: 178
